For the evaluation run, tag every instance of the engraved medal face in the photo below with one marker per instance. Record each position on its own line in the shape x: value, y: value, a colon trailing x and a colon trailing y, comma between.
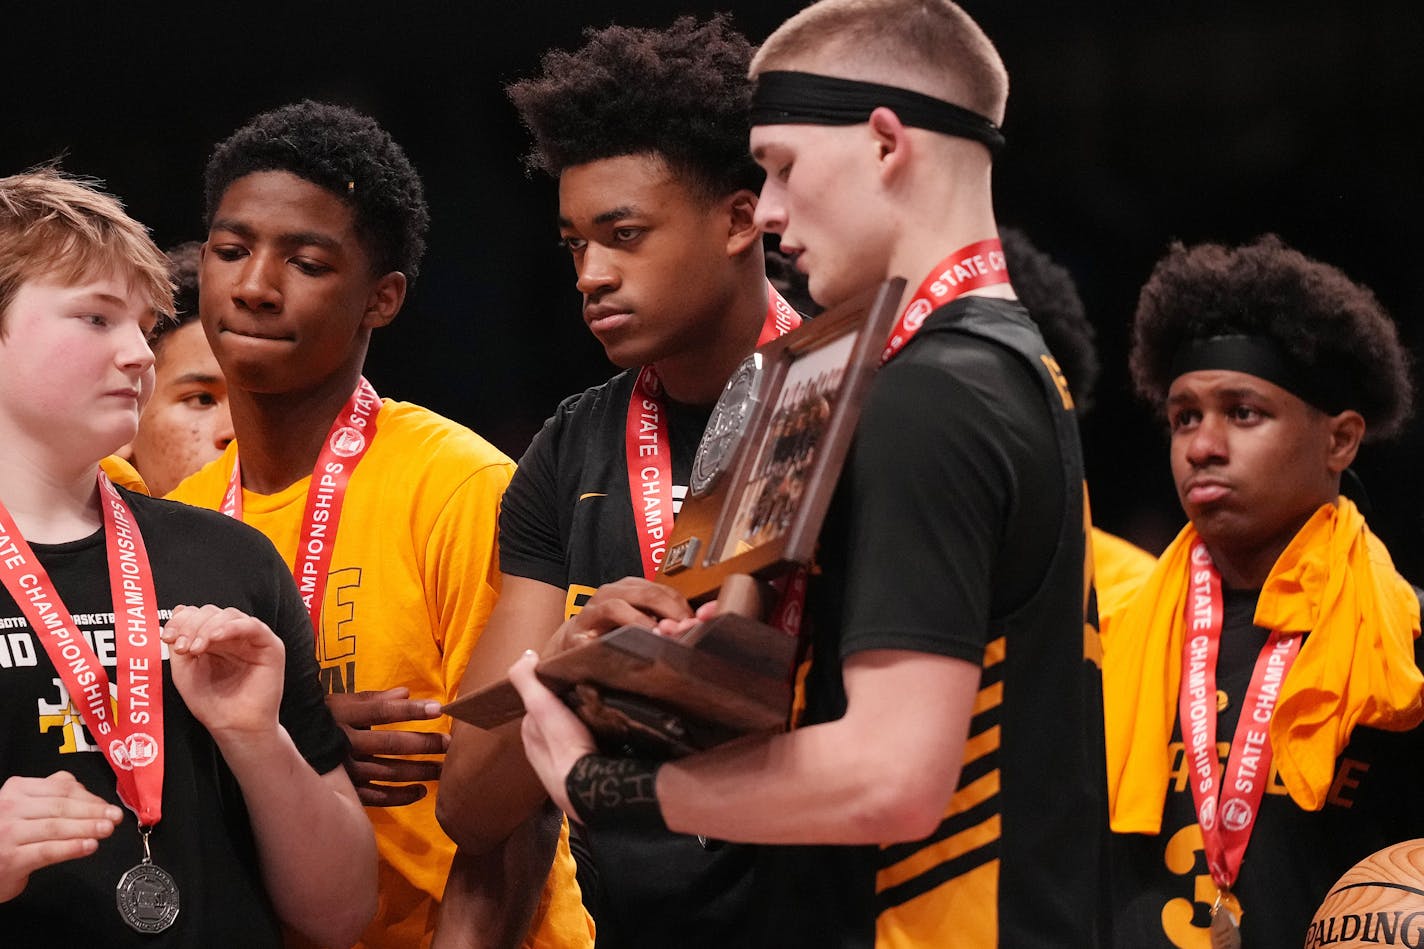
x: 725, y: 427
x: 148, y: 898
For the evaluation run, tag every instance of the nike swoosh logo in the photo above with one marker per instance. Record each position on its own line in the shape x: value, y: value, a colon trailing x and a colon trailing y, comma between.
x: 591, y: 494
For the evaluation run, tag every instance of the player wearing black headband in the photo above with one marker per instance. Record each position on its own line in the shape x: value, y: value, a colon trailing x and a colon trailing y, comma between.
x: 943, y: 786
x: 1276, y: 619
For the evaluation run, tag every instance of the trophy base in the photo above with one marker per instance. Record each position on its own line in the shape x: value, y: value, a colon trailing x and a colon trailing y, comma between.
x: 730, y: 676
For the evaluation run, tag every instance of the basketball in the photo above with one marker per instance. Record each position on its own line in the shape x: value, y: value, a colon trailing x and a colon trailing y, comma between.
x: 1378, y: 902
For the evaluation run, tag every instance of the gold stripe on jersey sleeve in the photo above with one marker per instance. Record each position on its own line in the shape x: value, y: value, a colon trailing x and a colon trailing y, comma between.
x: 964, y: 918
x: 985, y: 743
x: 955, y: 845
x: 989, y: 697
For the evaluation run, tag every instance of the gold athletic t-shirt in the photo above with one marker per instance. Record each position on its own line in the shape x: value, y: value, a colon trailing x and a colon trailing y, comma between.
x: 414, y: 574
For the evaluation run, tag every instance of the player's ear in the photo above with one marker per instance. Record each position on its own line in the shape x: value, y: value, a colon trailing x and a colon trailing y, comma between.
x: 890, y: 139
x: 1347, y: 430
x: 385, y: 301
x: 742, y: 231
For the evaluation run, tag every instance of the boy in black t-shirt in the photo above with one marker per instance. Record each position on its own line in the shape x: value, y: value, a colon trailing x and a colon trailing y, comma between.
x: 217, y: 738
x: 943, y: 786
x: 645, y: 131
x: 1262, y: 689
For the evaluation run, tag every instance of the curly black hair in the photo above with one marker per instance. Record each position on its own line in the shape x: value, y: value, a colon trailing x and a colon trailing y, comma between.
x: 346, y: 153
x: 1047, y: 291
x: 681, y: 93
x: 183, y: 262
x: 1328, y: 324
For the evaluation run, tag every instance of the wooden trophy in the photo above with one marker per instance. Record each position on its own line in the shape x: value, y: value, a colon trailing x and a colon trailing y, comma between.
x: 759, y: 489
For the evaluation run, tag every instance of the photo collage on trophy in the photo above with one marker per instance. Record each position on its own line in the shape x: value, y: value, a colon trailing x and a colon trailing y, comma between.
x: 767, y: 503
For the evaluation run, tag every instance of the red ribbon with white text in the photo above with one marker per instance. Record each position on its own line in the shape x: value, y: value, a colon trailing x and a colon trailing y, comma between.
x: 346, y: 444
x: 1226, y: 807
x: 649, y: 446
x: 979, y: 265
x: 132, y: 738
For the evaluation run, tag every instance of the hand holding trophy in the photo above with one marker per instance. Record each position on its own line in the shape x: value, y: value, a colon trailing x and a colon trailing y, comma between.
x: 708, y: 653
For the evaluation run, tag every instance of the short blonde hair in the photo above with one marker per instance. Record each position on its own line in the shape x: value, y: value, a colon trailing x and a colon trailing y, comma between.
x: 929, y: 46
x: 57, y: 226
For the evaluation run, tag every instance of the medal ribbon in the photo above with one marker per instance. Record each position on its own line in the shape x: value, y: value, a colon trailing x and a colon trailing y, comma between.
x: 649, y: 445
x: 346, y: 444
x: 135, y: 740
x: 979, y: 265
x: 1226, y: 807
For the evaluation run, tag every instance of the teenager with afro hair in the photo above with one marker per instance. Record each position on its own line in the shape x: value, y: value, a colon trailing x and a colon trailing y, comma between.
x: 384, y: 511
x: 646, y: 132
x: 1275, y: 624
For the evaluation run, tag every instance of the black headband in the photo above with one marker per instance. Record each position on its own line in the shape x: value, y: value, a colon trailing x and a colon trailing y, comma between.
x: 802, y: 98
x: 1264, y: 358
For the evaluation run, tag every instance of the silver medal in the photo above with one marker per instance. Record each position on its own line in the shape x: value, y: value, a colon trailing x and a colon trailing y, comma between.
x: 734, y: 409
x: 147, y: 895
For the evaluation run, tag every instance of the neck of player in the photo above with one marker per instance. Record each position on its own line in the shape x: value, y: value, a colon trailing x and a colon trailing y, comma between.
x: 697, y: 375
x: 939, y: 214
x: 280, y: 434
x: 53, y: 500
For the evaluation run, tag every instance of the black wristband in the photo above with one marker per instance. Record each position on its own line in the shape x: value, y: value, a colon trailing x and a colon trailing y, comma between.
x: 615, y: 792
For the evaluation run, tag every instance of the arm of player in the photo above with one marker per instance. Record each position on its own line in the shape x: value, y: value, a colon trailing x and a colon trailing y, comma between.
x: 489, y: 799
x: 882, y: 773
x: 44, y: 821
x: 491, y: 897
x: 489, y: 788
x: 314, y: 843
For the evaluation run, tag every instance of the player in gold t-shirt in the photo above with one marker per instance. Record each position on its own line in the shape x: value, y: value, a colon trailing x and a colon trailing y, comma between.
x: 385, y: 511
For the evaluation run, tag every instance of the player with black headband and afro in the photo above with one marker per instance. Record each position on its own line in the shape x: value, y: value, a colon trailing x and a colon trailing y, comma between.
x: 384, y: 511
x: 646, y: 132
x: 1275, y: 625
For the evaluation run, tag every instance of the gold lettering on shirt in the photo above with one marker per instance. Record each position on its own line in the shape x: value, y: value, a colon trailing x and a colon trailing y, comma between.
x: 578, y: 595
x: 1059, y: 380
x: 338, y: 618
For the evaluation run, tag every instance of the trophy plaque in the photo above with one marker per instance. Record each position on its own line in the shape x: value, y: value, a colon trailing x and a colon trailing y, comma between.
x: 759, y: 488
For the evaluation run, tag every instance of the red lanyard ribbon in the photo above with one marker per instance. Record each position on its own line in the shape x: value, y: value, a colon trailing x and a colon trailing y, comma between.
x: 346, y: 444
x: 1226, y: 807
x: 649, y: 446
x: 134, y: 732
x: 979, y: 265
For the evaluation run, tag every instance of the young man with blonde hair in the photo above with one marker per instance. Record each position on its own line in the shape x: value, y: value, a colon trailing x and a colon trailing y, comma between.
x: 215, y: 737
x: 944, y: 783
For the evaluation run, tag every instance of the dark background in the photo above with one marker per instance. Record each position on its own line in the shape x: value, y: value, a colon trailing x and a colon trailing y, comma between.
x: 1130, y: 124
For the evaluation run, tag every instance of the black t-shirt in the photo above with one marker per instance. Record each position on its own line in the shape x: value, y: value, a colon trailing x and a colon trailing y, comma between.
x: 957, y: 529
x: 567, y: 520
x: 204, y: 838
x: 1163, y: 890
